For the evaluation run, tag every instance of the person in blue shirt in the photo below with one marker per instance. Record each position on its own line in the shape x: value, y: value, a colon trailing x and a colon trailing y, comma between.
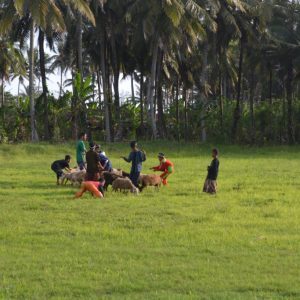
x: 136, y: 157
x: 104, y: 160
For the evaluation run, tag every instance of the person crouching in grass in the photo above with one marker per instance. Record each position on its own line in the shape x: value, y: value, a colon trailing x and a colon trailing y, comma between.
x: 59, y: 165
x: 96, y: 188
x: 210, y: 185
x: 165, y: 166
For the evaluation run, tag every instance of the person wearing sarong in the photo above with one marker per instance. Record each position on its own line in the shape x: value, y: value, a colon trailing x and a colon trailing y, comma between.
x: 210, y: 185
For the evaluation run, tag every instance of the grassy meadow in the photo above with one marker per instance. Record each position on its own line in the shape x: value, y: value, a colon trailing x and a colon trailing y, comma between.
x: 178, y: 243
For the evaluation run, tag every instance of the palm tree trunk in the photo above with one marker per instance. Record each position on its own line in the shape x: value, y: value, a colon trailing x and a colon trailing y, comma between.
x: 151, y: 88
x: 141, y: 101
x: 132, y: 88
x: 184, y: 98
x: 237, y: 111
x: 270, y: 84
x: 79, y: 44
x: 177, y: 110
x: 203, y: 96
x: 160, y: 108
x: 252, y: 88
x: 104, y: 83
x: 116, y: 71
x: 2, y: 92
x: 44, y: 84
x: 61, y: 82
x: 74, y: 113
x: 289, y: 97
x: 99, y: 89
x: 221, y: 101
x: 34, y: 136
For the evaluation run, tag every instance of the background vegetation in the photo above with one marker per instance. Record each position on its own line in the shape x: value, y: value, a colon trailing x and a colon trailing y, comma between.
x: 177, y: 243
x: 217, y: 69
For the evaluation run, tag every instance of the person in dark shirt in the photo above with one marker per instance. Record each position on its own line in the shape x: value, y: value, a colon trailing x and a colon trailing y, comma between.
x: 59, y: 165
x: 210, y: 185
x: 93, y: 164
x: 136, y: 157
x: 104, y: 160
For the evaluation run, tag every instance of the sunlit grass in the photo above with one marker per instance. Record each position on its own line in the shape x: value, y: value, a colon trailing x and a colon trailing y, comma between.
x: 178, y: 243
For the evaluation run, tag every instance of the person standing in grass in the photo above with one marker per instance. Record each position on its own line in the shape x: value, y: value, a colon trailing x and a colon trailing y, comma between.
x: 59, y: 165
x: 136, y: 157
x: 81, y: 151
x: 93, y: 167
x: 210, y: 185
x: 165, y: 166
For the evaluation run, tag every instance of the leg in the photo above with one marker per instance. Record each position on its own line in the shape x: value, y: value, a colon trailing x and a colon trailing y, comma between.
x: 164, y: 177
x: 82, y: 190
x: 134, y: 177
x: 59, y: 173
x: 95, y: 192
x: 81, y: 165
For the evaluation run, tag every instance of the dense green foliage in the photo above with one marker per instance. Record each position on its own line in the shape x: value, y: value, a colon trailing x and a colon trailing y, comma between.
x: 216, y: 69
x: 177, y: 243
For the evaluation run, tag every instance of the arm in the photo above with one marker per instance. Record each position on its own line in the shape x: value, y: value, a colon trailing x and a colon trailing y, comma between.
x: 105, y: 164
x: 157, y: 168
x: 144, y: 157
x: 129, y: 159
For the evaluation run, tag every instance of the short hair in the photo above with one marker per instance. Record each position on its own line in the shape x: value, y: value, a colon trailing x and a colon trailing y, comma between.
x: 67, y: 157
x: 81, y: 134
x: 133, y: 144
x: 160, y: 154
x: 215, y: 151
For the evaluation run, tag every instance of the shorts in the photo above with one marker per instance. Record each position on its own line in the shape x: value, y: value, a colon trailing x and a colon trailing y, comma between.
x: 57, y: 170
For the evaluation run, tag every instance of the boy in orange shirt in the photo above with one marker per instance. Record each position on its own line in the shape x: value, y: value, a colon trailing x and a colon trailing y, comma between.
x: 165, y: 166
x: 95, y: 187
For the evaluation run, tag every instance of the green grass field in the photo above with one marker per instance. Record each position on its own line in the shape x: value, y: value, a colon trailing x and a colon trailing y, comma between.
x: 177, y: 243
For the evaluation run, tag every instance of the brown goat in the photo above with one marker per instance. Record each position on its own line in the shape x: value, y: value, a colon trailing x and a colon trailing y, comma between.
x: 149, y: 180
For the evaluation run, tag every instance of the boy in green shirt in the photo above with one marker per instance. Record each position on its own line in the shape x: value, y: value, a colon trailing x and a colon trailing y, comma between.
x: 81, y: 150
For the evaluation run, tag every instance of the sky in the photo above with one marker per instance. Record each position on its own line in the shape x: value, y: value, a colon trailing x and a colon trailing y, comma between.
x: 54, y: 79
x: 53, y: 86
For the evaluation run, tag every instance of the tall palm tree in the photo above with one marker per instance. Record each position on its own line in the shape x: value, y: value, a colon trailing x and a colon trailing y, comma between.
x: 11, y: 62
x: 42, y: 13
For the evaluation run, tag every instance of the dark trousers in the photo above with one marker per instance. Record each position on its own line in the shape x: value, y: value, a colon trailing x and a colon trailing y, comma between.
x: 57, y: 170
x: 92, y: 176
x: 134, y: 177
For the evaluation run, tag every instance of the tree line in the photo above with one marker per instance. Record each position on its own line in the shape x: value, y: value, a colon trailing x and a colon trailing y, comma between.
x: 203, y: 69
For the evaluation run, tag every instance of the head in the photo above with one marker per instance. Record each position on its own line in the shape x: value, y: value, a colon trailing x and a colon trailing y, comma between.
x: 97, y: 148
x: 214, y: 152
x: 133, y: 145
x: 161, y: 156
x: 134, y: 190
x: 68, y: 158
x: 82, y: 136
x: 92, y: 146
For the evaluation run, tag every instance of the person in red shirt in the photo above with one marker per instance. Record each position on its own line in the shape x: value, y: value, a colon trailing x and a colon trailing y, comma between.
x: 165, y: 166
x: 95, y: 187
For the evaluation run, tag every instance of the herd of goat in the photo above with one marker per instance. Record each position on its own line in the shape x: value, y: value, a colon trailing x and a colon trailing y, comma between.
x: 117, y: 178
